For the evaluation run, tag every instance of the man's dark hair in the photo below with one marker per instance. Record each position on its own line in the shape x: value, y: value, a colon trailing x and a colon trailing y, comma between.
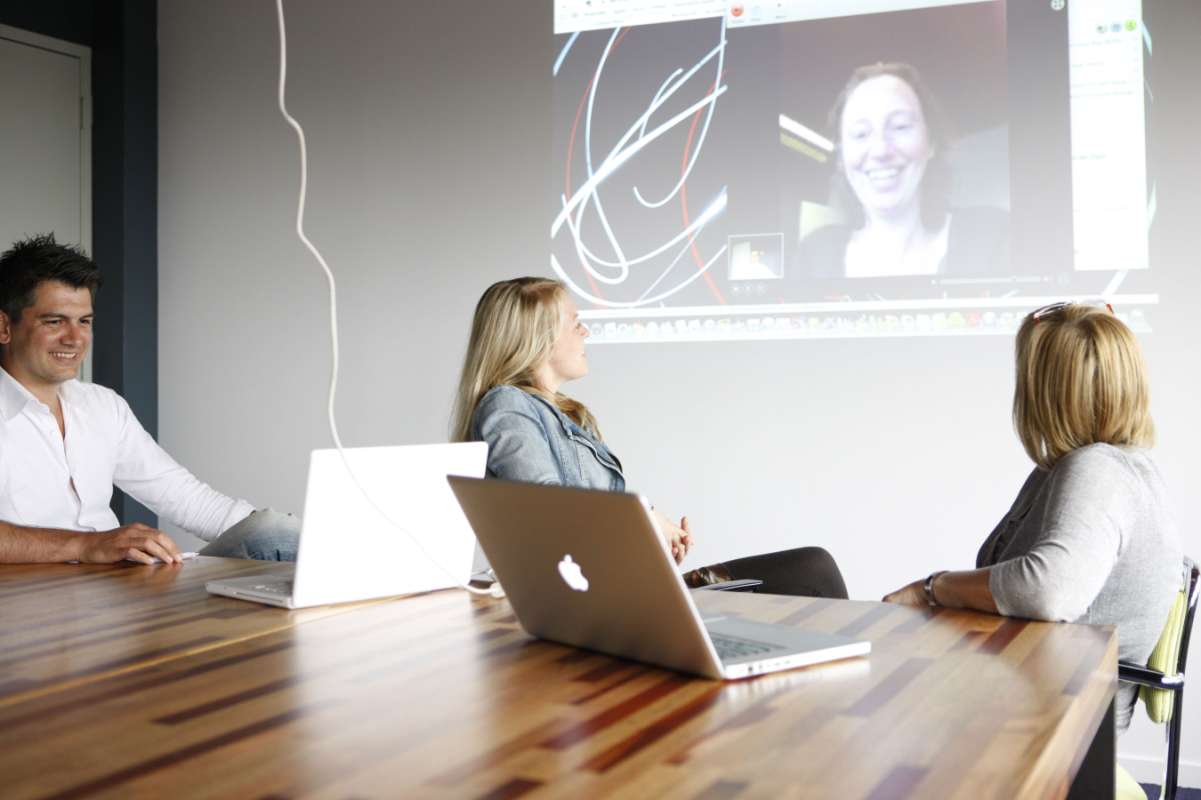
x: 33, y: 261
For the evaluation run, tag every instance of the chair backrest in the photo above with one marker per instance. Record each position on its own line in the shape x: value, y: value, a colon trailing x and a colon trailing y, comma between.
x: 1171, y: 651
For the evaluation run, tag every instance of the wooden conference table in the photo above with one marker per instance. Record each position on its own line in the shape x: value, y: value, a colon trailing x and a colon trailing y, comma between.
x: 131, y: 681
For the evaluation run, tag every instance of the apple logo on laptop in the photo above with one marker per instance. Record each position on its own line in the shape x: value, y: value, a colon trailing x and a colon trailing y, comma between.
x: 573, y: 576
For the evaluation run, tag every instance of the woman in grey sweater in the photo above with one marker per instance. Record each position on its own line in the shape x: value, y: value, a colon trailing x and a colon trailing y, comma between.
x: 526, y: 342
x: 1090, y: 537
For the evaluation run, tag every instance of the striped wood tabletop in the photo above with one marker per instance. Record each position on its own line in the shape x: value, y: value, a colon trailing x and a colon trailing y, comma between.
x: 74, y: 623
x: 442, y: 695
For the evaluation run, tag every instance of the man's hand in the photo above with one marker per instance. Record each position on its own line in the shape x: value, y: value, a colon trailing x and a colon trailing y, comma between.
x: 136, y: 542
x: 913, y: 594
x: 677, y: 537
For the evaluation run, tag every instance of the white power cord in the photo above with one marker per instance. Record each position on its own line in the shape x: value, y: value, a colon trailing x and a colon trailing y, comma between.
x: 333, y: 316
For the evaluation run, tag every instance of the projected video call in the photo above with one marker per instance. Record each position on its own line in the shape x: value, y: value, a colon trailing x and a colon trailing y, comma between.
x: 931, y: 170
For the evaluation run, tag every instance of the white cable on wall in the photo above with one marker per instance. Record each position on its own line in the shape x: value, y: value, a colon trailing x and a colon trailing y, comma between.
x: 333, y: 310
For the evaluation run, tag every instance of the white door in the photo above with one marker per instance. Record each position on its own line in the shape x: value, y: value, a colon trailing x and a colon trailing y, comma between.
x: 45, y: 140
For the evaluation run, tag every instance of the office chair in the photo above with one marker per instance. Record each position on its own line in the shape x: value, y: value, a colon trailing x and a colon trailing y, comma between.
x: 1162, y: 682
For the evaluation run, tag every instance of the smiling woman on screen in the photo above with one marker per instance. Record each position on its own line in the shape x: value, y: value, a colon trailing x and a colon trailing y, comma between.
x: 892, y: 183
x: 527, y: 340
x: 1090, y: 537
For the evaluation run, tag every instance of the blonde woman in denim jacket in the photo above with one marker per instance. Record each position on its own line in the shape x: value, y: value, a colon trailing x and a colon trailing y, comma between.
x: 526, y: 342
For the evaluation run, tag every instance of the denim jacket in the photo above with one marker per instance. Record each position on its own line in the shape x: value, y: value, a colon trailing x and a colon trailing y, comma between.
x: 531, y: 440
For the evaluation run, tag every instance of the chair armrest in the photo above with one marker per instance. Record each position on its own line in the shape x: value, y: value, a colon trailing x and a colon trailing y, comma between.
x: 1144, y: 676
x: 744, y: 585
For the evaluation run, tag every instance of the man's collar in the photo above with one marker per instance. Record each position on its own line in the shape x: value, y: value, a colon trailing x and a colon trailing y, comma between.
x: 14, y: 396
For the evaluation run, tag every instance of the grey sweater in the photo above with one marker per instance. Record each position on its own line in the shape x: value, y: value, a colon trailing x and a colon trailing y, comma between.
x: 1091, y: 540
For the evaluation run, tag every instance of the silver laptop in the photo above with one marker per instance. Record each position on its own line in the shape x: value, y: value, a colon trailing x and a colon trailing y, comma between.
x: 350, y: 551
x: 589, y: 569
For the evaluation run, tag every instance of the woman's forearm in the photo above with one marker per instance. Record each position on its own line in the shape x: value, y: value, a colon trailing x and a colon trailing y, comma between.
x: 964, y: 589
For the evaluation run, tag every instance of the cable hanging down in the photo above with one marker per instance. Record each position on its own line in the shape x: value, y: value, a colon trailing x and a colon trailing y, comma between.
x: 333, y: 313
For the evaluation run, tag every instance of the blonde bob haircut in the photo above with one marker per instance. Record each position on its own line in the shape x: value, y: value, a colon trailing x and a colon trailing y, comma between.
x: 512, y: 334
x: 1080, y: 380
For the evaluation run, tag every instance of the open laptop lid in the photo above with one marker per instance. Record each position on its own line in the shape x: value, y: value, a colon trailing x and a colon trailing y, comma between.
x: 350, y: 551
x: 589, y: 569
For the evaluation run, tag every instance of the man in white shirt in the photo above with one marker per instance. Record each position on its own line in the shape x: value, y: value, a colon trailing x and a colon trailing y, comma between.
x: 64, y: 444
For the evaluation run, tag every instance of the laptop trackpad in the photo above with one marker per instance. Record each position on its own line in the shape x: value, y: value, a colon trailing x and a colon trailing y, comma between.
x: 778, y: 637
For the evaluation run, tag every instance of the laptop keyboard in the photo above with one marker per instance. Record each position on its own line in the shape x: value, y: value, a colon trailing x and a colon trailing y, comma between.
x: 281, y: 587
x: 730, y: 648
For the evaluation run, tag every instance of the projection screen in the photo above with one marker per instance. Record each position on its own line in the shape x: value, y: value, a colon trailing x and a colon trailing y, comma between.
x: 816, y: 169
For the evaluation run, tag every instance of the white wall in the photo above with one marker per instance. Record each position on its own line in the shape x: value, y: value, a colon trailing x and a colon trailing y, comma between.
x: 428, y: 130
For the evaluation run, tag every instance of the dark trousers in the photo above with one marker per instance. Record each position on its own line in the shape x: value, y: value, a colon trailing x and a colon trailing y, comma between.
x: 806, y: 571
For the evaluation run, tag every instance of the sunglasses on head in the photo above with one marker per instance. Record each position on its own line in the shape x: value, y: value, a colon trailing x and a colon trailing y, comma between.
x: 1051, y: 308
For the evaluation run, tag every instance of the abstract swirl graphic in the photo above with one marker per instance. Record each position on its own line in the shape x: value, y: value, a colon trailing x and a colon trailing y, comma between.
x: 631, y: 141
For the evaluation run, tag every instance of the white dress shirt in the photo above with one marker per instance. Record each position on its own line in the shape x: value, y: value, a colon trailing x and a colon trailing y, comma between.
x: 51, y: 481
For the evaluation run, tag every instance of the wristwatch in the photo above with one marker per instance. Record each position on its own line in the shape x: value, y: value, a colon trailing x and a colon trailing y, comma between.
x: 928, y: 587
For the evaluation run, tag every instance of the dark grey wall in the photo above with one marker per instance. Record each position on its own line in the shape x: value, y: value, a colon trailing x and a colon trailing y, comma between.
x: 122, y: 36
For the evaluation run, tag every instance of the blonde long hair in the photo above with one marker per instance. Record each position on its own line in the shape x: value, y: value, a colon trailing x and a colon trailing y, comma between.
x: 1080, y: 380
x: 513, y: 333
